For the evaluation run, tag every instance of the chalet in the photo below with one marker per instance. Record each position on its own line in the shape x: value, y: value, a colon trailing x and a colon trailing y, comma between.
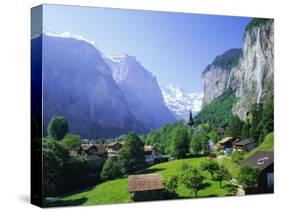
x: 246, y: 144
x: 161, y: 159
x: 149, y: 155
x: 227, y: 144
x: 263, y: 160
x: 94, y: 152
x: 113, y: 148
x: 145, y: 187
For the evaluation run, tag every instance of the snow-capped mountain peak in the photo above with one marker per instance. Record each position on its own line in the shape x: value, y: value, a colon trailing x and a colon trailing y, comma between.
x: 68, y: 34
x: 180, y: 101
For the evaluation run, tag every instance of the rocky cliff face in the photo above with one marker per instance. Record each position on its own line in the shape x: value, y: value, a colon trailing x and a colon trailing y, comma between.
x: 141, y: 90
x: 249, y: 75
x: 78, y: 84
x: 216, y: 77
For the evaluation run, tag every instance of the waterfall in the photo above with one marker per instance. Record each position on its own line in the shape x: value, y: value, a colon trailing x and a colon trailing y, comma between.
x: 258, y: 68
x: 229, y: 78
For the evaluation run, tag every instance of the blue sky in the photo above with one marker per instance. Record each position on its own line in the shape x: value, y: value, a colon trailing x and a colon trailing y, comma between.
x: 175, y: 47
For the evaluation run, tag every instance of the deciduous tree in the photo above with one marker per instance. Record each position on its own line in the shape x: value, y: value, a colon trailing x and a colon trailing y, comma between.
x: 112, y: 169
x: 211, y: 166
x: 221, y: 174
x: 193, y: 179
x: 248, y: 177
x: 58, y: 128
x: 132, y: 153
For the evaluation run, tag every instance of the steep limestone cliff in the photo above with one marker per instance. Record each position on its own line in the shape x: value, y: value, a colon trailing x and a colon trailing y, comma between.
x: 254, y: 77
x: 216, y: 76
x: 250, y: 74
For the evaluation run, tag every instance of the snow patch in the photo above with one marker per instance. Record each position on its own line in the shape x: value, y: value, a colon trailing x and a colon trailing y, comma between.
x: 180, y: 101
x: 68, y: 34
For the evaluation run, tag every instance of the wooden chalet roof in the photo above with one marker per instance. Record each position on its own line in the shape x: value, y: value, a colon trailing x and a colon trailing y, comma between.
x: 98, y: 147
x: 112, y: 144
x: 245, y: 142
x: 148, y: 148
x: 145, y: 182
x: 260, y: 160
x: 226, y: 140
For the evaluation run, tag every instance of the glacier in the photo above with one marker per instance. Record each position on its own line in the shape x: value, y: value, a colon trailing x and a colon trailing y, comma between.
x: 179, y: 101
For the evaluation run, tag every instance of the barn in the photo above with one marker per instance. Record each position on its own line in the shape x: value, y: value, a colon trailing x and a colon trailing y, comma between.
x: 145, y: 187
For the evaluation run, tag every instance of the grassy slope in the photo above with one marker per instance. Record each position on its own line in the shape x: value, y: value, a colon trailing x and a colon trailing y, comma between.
x: 231, y: 166
x: 115, y: 191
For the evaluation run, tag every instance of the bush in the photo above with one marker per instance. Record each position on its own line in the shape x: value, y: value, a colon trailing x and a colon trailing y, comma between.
x: 112, y: 169
x: 214, y: 136
x: 211, y: 166
x: 71, y: 141
x: 58, y: 128
x: 76, y: 173
x: 248, y: 177
x: 55, y: 158
x: 231, y: 188
x: 61, y: 172
x: 185, y: 166
x: 237, y: 156
x: 171, y: 184
x: 221, y: 174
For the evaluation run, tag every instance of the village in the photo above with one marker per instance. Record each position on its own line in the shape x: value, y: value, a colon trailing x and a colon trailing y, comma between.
x: 144, y: 184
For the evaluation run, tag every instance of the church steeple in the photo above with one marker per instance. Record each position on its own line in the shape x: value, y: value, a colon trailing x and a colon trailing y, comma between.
x: 190, y: 120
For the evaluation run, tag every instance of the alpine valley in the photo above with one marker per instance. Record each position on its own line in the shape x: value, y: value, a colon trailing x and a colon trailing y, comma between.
x: 104, y: 130
x: 114, y: 95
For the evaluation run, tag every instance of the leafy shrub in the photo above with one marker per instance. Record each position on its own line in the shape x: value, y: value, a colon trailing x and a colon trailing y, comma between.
x: 248, y: 177
x: 211, y: 166
x: 58, y: 128
x: 71, y: 141
x: 237, y: 156
x: 171, y: 183
x: 193, y: 179
x: 221, y: 174
x: 112, y: 169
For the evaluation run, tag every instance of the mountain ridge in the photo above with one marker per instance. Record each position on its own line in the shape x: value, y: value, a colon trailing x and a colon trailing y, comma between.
x: 141, y: 90
x: 179, y: 101
x: 80, y: 85
x: 251, y: 76
x: 77, y: 84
